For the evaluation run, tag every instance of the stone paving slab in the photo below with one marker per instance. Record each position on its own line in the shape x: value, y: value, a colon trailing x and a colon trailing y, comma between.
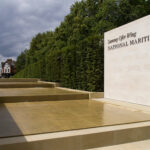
x: 31, y: 118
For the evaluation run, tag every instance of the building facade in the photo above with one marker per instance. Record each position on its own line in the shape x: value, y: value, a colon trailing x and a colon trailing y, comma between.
x: 7, y: 68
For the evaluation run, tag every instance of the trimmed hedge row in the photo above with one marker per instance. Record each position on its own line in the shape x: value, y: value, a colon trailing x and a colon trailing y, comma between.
x: 73, y: 54
x: 72, y: 67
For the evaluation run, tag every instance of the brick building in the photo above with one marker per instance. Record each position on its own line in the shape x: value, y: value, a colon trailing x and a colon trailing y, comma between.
x: 7, y: 68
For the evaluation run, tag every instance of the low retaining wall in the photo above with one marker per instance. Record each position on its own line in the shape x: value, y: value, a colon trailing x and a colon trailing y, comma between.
x: 19, y: 79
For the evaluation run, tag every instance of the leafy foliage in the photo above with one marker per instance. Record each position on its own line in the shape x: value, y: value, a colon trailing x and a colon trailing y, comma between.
x: 74, y: 53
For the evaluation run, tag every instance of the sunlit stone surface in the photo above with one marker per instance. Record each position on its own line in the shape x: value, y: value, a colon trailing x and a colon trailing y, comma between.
x: 44, y: 117
x: 33, y: 91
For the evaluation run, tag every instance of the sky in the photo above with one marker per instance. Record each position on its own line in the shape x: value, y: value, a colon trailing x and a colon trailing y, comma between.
x: 20, y: 20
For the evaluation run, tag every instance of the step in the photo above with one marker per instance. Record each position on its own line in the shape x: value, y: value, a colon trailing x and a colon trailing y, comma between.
x: 12, y: 99
x: 39, y: 94
x: 80, y: 139
x: 19, y: 79
x: 28, y: 118
x: 139, y: 145
x: 24, y: 84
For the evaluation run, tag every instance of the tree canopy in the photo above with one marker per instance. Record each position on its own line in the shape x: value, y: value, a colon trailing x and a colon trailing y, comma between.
x: 73, y: 54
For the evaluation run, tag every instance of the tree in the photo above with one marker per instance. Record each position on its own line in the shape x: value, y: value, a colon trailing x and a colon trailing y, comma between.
x: 73, y: 54
x: 21, y: 61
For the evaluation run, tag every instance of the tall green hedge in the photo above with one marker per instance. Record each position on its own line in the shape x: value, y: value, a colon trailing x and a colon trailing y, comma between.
x: 73, y: 54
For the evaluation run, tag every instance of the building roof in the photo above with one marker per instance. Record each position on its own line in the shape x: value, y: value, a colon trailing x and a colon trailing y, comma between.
x: 9, y: 61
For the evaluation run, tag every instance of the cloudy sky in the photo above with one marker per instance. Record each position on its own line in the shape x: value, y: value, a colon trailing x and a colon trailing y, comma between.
x: 20, y: 20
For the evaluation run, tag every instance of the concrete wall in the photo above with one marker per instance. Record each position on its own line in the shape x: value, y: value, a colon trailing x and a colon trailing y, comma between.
x: 127, y: 62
